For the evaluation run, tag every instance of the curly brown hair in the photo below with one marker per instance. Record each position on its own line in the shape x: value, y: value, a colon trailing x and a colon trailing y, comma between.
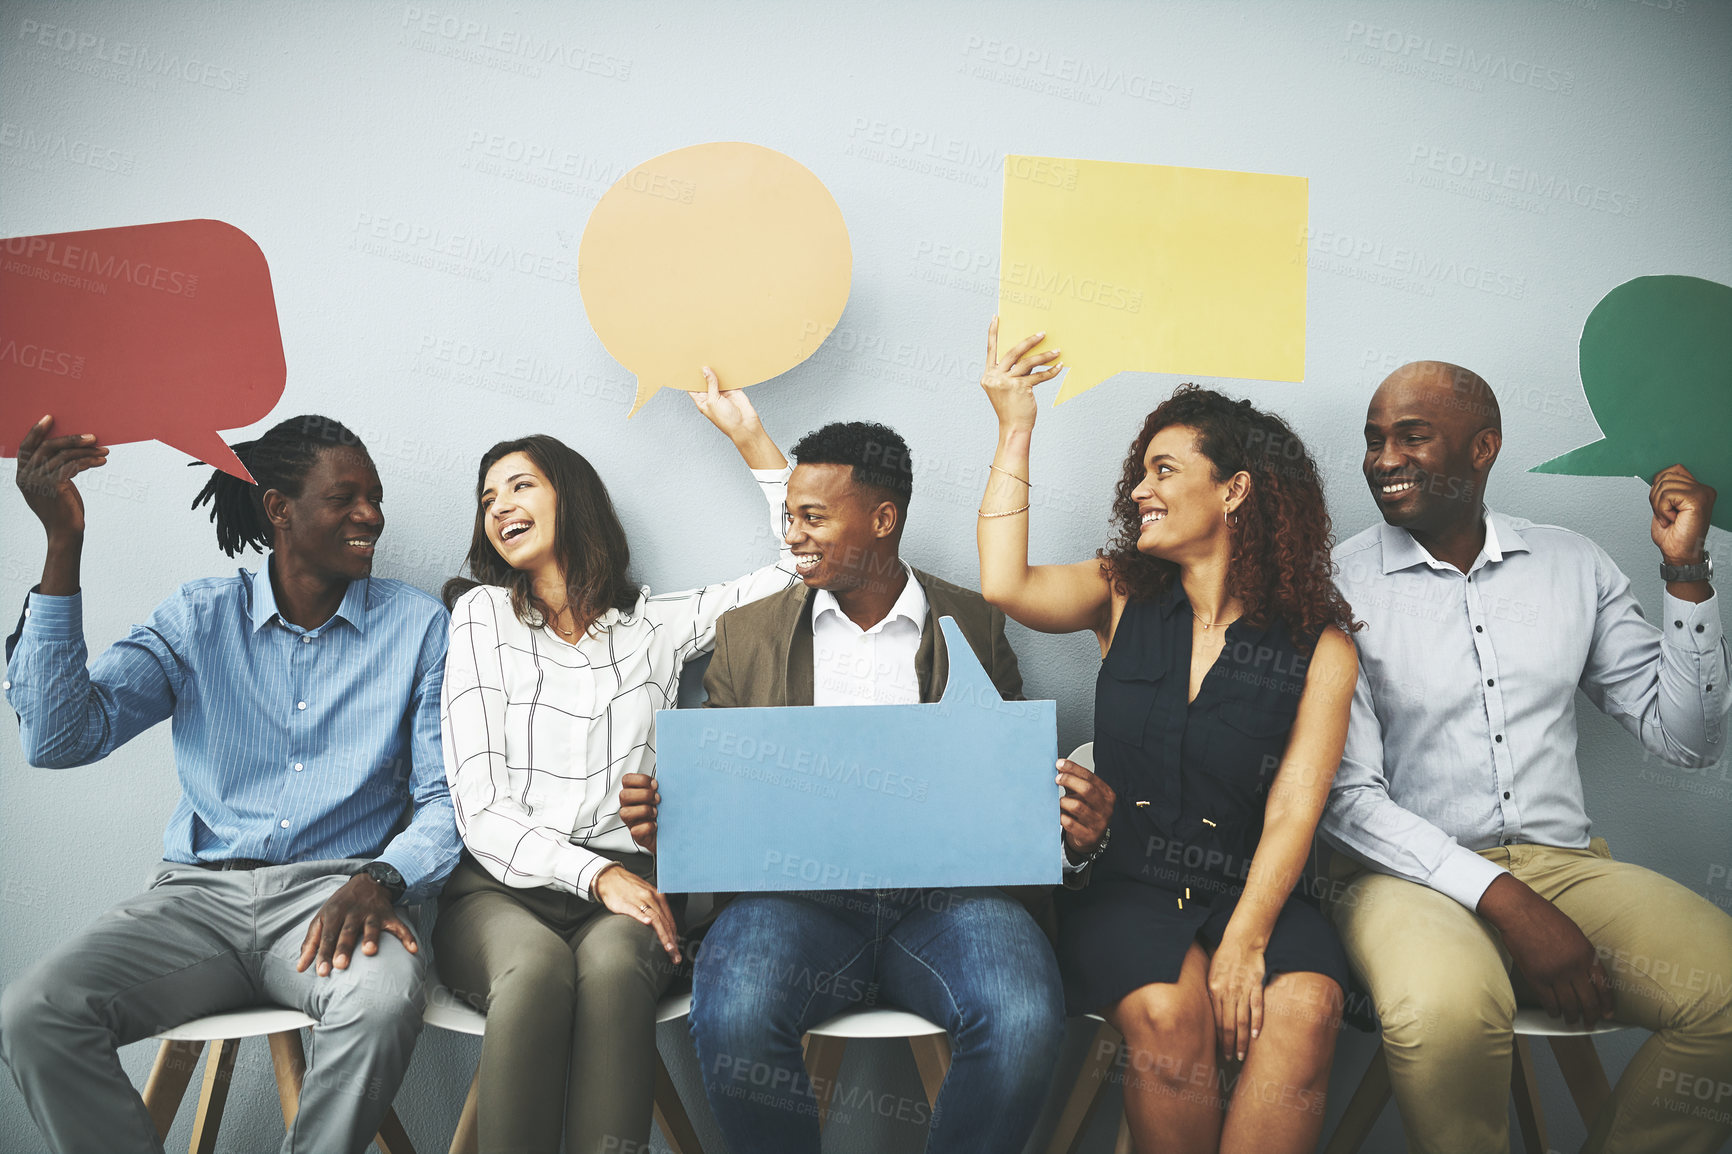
x: 1280, y: 566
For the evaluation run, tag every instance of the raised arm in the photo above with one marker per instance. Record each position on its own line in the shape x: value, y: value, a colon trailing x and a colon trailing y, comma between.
x: 69, y: 714
x: 1295, y: 803
x: 690, y: 616
x: 1048, y: 598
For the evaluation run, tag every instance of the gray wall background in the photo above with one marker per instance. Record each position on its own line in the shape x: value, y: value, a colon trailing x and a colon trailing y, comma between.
x: 313, y: 120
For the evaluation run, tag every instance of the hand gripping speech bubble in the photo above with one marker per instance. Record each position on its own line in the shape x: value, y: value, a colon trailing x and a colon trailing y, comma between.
x: 1656, y: 363
x: 1148, y: 267
x: 725, y: 254
x: 164, y: 332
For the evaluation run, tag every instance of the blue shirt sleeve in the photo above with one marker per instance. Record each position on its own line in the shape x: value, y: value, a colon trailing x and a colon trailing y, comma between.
x: 426, y: 851
x: 69, y: 715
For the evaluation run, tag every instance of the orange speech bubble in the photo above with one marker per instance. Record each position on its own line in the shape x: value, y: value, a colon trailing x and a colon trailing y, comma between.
x: 154, y: 332
x: 729, y: 255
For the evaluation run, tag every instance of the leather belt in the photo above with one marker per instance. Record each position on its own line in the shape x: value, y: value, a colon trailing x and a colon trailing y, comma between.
x: 236, y: 863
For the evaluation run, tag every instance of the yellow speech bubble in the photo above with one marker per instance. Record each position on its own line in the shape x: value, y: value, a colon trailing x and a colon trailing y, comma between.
x: 727, y: 254
x: 1154, y: 268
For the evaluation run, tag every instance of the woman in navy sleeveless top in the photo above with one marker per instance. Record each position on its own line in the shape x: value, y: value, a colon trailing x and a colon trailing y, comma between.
x: 1220, y: 714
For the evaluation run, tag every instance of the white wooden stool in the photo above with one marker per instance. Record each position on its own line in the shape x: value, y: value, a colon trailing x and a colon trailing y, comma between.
x: 826, y: 1042
x: 178, y: 1058
x: 1573, y: 1046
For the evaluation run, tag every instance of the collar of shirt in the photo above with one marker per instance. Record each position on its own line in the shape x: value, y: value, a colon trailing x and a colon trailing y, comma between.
x: 264, y: 597
x: 1401, y: 551
x: 910, y: 604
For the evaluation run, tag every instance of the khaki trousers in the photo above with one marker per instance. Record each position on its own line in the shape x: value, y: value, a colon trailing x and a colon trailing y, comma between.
x: 1439, y: 977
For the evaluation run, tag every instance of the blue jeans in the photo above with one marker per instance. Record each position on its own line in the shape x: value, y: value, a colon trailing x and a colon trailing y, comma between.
x: 973, y: 961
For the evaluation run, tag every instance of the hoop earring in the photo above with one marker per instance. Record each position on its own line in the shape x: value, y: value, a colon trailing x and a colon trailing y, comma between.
x: 1229, y: 518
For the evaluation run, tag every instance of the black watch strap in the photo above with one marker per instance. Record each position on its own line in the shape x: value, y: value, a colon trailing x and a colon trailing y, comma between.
x: 388, y: 878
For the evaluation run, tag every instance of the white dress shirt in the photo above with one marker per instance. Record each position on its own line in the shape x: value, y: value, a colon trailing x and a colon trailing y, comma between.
x: 1463, y: 731
x: 538, y: 731
x: 855, y: 666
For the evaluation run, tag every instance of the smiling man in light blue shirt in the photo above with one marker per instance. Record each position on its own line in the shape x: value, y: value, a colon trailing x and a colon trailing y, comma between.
x: 305, y: 704
x: 1458, y: 802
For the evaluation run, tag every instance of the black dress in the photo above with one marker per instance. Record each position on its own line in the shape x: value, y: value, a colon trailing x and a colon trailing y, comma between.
x: 1192, y: 779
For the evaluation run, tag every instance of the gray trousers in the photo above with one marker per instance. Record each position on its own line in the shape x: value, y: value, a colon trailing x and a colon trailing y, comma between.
x: 570, y: 991
x: 199, y: 942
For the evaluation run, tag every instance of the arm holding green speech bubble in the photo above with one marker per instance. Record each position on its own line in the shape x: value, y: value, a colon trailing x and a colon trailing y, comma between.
x: 1683, y: 510
x: 1656, y: 364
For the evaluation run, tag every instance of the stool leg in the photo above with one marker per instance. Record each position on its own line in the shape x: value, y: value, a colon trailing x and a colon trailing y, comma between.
x: 1363, y: 1108
x: 1529, y: 1114
x: 823, y: 1060
x: 219, y: 1068
x: 932, y: 1059
x: 467, y: 1139
x: 392, y: 1138
x: 1085, y: 1095
x: 289, y: 1063
x: 168, y: 1080
x: 670, y: 1114
x: 1583, y: 1074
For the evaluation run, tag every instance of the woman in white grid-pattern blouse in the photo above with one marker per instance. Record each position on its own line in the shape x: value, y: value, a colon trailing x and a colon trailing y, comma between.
x: 552, y: 922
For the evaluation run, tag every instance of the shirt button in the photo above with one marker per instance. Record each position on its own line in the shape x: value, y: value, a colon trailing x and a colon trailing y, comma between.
x: 1679, y: 624
x: 1699, y: 628
x: 285, y: 823
x: 8, y: 685
x: 300, y: 705
x: 299, y: 767
x: 305, y: 640
x: 1479, y: 629
x: 1506, y: 795
x: 1498, y: 738
x: 1491, y: 681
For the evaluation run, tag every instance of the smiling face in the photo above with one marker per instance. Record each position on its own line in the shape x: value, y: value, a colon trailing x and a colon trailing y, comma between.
x: 517, y: 512
x: 333, y: 527
x: 1431, y: 436
x: 1183, y: 506
x: 843, y: 534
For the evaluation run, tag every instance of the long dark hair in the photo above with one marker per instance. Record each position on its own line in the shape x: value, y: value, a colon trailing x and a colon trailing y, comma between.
x: 588, y: 540
x: 1280, y: 565
x: 278, y: 460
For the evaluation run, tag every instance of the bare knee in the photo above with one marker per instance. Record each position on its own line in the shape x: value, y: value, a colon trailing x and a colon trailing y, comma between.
x: 1304, y: 1006
x: 1168, y: 1029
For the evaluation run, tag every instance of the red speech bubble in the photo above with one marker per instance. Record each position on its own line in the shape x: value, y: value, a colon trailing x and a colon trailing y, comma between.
x: 154, y: 332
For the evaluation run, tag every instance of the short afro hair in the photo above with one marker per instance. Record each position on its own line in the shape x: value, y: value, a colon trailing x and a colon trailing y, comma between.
x: 877, y: 454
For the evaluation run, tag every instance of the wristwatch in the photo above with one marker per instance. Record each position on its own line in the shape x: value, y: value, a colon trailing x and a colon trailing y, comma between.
x: 1702, y: 570
x: 388, y: 878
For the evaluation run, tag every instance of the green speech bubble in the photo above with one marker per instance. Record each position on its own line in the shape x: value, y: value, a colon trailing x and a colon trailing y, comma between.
x: 1656, y: 365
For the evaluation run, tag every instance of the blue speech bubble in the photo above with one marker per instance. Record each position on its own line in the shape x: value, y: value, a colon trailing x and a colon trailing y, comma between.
x: 956, y: 793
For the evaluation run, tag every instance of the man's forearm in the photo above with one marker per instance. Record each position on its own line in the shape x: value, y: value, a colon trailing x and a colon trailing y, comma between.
x: 60, y: 570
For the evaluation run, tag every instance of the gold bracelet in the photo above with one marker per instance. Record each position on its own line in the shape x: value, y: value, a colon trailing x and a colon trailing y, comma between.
x: 1006, y: 513
x: 1008, y: 473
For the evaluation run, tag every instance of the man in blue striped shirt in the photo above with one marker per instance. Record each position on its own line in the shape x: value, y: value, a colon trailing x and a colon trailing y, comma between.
x: 305, y: 701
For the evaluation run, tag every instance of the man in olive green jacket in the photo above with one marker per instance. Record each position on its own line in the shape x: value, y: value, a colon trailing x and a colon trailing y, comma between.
x: 862, y: 629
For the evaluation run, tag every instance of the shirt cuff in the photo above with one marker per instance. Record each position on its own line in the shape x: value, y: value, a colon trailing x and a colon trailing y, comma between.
x: 53, y: 618
x: 1064, y: 858
x: 773, y: 476
x: 1465, y: 876
x: 1693, y: 626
